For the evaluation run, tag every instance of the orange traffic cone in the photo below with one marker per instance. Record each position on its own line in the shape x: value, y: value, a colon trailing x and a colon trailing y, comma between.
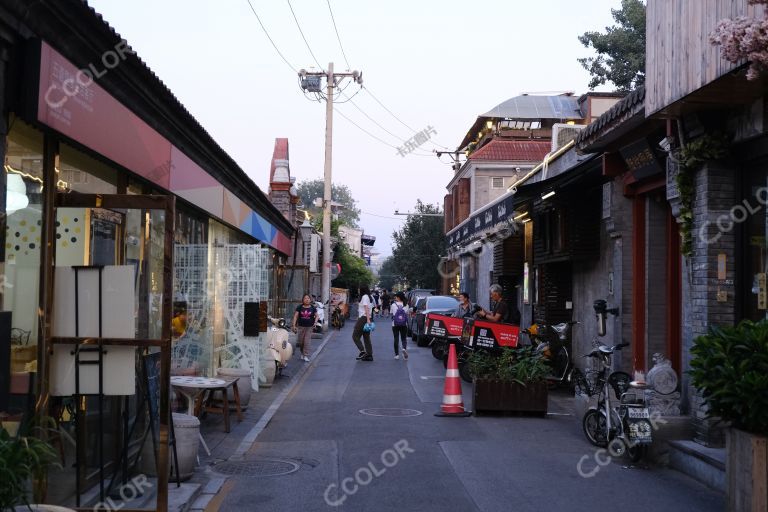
x: 453, y: 403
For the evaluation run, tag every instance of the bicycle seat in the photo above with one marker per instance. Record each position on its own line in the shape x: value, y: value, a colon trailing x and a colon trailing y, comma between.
x: 560, y: 328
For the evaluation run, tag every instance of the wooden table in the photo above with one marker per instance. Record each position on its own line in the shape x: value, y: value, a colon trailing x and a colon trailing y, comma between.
x: 192, y: 388
x: 210, y: 404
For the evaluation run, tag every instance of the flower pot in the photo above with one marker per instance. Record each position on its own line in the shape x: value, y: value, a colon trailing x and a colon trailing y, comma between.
x: 746, y: 470
x: 491, y: 395
x: 187, y: 430
x: 244, y: 383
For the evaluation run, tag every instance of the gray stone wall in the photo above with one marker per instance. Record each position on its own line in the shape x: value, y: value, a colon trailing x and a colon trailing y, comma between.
x: 608, y: 278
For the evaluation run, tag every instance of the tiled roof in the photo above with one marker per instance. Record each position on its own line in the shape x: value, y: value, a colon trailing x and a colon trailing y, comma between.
x: 516, y: 150
x: 633, y: 101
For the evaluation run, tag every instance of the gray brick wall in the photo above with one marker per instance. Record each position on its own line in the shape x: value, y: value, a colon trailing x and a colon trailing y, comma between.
x: 716, y: 193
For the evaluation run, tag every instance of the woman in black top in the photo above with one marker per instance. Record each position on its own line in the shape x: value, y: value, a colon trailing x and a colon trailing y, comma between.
x: 304, y: 319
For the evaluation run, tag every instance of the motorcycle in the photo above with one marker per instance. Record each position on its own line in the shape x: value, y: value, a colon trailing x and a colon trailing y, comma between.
x: 550, y: 342
x: 625, y: 429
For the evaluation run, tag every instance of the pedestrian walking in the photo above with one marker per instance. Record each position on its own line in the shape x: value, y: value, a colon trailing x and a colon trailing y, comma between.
x: 386, y: 302
x: 399, y: 311
x: 304, y: 319
x: 375, y: 297
x: 365, y: 315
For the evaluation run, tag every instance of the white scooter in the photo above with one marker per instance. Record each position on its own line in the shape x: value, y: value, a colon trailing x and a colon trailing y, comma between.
x: 320, y: 307
x: 279, y: 349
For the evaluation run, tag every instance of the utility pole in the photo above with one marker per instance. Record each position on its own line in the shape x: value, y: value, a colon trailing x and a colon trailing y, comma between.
x: 310, y: 82
x: 454, y: 156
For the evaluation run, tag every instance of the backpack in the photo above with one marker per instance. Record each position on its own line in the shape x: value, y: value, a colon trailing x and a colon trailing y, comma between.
x: 401, y: 317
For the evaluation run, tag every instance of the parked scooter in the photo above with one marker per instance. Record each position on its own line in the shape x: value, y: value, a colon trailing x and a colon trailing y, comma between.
x: 550, y: 343
x: 280, y: 348
x: 320, y: 307
x: 626, y: 428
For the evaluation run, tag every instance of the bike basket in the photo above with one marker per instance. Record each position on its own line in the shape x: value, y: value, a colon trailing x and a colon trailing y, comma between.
x: 619, y: 381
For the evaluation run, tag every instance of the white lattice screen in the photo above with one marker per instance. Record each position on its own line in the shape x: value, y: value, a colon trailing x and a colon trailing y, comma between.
x: 215, y: 283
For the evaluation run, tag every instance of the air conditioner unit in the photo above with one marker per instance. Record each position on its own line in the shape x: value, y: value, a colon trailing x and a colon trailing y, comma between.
x: 563, y: 133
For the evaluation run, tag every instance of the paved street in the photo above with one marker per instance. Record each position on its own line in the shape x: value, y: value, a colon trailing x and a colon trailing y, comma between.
x: 351, y: 461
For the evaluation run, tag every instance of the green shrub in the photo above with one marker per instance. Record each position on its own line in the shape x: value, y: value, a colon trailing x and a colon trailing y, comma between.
x: 730, y: 368
x: 522, y: 365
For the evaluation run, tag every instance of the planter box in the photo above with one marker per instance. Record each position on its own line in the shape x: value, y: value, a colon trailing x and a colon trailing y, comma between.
x: 746, y: 470
x: 505, y: 396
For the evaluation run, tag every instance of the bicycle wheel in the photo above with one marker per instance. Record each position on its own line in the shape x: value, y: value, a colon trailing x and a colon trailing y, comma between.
x: 578, y: 383
x: 595, y: 428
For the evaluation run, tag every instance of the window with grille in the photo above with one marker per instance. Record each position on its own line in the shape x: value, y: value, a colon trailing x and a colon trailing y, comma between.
x: 497, y: 182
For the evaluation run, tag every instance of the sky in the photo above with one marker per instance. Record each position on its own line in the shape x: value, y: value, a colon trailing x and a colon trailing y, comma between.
x: 432, y: 63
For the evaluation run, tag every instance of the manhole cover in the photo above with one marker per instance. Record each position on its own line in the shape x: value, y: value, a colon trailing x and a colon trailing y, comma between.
x: 260, y: 467
x: 390, y: 412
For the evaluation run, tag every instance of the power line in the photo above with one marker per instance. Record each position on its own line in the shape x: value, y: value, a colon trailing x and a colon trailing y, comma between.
x: 270, y: 39
x: 337, y: 35
x: 377, y: 124
x: 397, y: 118
x: 370, y: 134
x: 302, y: 35
x: 380, y: 216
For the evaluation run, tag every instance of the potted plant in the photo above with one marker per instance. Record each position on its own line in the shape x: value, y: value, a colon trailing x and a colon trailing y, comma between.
x: 514, y: 380
x: 729, y: 366
x: 24, y: 459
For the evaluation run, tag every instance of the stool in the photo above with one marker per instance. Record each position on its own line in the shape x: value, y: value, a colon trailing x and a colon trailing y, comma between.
x: 209, y: 403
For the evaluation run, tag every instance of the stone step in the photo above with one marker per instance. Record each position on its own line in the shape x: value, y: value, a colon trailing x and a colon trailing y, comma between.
x: 702, y: 463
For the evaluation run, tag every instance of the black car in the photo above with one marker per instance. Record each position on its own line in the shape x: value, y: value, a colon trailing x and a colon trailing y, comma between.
x: 412, y: 299
x: 440, y: 304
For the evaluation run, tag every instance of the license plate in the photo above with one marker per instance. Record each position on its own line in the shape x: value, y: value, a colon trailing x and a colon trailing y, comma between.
x: 637, y: 413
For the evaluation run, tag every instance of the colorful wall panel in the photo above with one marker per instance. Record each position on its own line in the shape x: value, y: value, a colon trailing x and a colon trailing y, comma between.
x: 91, y: 116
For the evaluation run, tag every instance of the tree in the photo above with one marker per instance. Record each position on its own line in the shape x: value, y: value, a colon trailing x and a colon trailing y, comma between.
x: 354, y: 272
x: 620, y: 50
x: 389, y: 275
x: 312, y: 189
x: 418, y: 246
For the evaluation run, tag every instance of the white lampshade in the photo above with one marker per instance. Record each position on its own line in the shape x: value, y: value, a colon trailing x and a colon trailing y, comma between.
x: 15, y: 194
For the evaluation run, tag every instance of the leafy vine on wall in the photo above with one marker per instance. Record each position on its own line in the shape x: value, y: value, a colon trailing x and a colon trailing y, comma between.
x: 693, y: 155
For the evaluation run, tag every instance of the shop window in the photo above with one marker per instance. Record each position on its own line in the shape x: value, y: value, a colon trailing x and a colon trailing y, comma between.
x: 82, y: 173
x: 756, y: 248
x: 552, y: 231
x: 20, y: 255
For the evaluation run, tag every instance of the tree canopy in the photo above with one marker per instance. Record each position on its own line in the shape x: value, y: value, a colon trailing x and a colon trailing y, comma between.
x: 389, y: 275
x: 418, y: 246
x: 354, y: 272
x: 620, y: 50
x: 312, y: 189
